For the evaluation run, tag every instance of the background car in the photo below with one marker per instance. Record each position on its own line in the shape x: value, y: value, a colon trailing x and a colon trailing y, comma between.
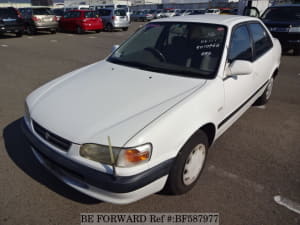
x: 198, y: 12
x: 11, y: 21
x: 213, y: 11
x: 114, y: 19
x: 80, y: 21
x: 284, y: 24
x: 142, y: 15
x: 39, y: 19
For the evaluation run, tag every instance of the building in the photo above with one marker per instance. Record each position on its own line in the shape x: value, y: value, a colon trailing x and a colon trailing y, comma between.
x: 74, y: 3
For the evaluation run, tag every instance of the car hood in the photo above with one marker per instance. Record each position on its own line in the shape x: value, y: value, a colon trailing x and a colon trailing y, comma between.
x: 106, y: 99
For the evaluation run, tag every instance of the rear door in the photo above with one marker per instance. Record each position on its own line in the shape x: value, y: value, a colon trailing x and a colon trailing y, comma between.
x: 65, y: 21
x: 75, y: 20
x: 263, y: 57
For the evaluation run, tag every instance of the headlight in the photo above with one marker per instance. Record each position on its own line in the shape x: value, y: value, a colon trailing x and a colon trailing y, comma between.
x: 125, y: 157
x: 294, y: 30
x: 26, y: 113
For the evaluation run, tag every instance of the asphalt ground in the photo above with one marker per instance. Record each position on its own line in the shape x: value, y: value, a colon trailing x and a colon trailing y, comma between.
x: 255, y: 160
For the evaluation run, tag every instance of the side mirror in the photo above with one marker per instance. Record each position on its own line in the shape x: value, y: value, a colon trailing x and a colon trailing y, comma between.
x: 114, y: 48
x: 239, y: 67
x: 251, y: 11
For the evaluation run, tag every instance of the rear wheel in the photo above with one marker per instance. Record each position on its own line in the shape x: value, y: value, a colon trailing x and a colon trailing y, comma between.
x: 262, y: 100
x: 125, y: 29
x: 188, y: 165
x: 31, y: 30
x: 109, y: 27
x: 98, y: 31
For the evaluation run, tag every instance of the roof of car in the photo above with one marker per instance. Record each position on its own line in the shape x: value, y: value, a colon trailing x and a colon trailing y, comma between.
x: 227, y: 20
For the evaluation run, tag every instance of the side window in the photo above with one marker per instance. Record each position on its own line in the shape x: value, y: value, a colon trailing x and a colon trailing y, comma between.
x: 67, y: 15
x: 261, y: 39
x: 240, y: 46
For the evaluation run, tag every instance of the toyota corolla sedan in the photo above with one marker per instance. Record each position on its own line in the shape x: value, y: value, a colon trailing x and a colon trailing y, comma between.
x: 142, y: 120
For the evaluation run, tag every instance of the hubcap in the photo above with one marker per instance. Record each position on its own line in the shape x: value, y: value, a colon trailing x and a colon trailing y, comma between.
x: 269, y: 88
x: 194, y: 164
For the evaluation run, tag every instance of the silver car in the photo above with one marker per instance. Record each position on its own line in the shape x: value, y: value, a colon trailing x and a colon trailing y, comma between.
x: 40, y: 18
x: 114, y: 19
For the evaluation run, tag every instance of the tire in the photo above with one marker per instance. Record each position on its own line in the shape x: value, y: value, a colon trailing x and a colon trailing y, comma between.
x: 53, y: 31
x: 19, y: 34
x: 31, y: 30
x: 188, y: 165
x: 79, y: 30
x: 125, y: 29
x: 109, y: 27
x: 262, y: 100
x: 296, y: 51
x: 98, y: 31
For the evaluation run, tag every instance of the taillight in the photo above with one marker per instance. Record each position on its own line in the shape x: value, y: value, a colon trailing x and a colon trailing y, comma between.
x: 34, y: 18
x: 113, y: 17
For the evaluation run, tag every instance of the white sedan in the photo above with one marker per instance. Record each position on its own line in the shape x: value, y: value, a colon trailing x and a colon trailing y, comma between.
x: 142, y: 120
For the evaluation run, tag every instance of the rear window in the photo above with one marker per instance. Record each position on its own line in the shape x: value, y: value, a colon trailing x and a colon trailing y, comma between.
x: 42, y: 11
x: 90, y: 14
x: 282, y: 13
x: 8, y: 12
x: 120, y: 12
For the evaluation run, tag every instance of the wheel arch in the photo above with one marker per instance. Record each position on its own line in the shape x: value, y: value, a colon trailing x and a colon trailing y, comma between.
x: 275, y: 73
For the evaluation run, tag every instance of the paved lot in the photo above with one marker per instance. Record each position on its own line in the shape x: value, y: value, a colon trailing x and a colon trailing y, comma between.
x: 256, y: 159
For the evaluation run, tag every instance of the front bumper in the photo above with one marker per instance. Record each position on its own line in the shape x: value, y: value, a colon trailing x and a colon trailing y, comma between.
x: 103, y: 186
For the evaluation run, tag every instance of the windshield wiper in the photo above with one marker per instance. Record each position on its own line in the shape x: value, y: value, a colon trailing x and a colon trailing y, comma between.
x: 135, y: 64
x: 179, y: 71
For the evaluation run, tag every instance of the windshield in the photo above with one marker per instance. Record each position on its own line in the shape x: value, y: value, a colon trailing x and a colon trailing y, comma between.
x: 180, y: 48
x: 282, y: 13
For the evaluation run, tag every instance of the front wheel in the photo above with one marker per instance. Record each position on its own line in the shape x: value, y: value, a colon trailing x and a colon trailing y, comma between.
x: 53, y: 31
x: 125, y: 29
x: 262, y: 100
x: 188, y: 165
x: 79, y: 30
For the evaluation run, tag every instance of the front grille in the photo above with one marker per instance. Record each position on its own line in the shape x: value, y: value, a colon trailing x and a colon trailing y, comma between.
x: 51, y: 138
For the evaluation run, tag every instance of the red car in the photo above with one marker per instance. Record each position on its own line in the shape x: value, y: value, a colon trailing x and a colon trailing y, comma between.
x: 80, y: 21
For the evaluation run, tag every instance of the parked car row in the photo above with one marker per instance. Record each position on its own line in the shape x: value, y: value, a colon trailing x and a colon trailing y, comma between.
x: 147, y: 14
x: 32, y: 20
